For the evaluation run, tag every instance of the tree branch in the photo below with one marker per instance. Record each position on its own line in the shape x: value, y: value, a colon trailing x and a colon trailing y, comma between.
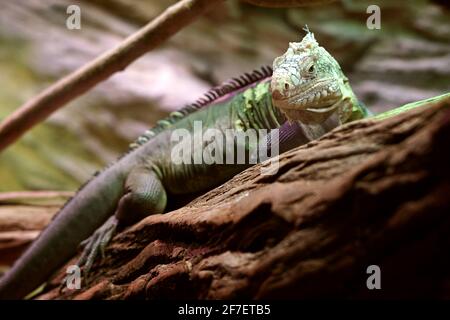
x: 75, y: 84
x: 287, y: 3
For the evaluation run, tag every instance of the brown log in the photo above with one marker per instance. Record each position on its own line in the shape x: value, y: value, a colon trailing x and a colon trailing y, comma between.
x: 22, y: 216
x: 370, y: 192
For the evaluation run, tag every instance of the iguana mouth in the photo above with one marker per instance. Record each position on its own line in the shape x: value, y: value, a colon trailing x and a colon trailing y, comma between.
x: 322, y: 110
x: 305, y: 115
x: 319, y: 97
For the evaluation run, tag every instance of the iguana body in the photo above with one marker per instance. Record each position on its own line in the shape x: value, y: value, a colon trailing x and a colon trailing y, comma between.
x: 139, y: 182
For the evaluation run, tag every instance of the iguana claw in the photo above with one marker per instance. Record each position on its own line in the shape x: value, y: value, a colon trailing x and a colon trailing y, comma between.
x: 97, y: 243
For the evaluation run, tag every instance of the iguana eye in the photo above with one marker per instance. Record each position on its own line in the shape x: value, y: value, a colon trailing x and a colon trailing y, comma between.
x: 309, y: 68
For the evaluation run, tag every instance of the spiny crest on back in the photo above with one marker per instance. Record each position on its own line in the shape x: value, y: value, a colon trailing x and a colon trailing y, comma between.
x: 213, y: 94
x: 208, y: 98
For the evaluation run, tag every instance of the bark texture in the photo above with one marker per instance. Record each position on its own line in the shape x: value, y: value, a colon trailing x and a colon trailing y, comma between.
x: 22, y: 217
x: 373, y: 192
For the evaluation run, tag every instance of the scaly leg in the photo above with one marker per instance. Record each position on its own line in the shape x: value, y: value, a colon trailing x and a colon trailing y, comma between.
x: 145, y: 195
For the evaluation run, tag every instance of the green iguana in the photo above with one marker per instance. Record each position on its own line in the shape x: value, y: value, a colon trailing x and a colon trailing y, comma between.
x: 306, y: 96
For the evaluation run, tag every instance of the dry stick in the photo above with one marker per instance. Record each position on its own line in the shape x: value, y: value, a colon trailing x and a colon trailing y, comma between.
x: 287, y: 3
x: 154, y: 33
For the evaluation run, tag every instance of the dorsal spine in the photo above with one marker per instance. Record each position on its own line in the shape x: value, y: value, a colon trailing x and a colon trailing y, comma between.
x: 206, y: 99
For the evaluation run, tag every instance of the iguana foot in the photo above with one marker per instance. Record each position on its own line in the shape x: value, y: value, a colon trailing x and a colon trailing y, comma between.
x: 96, y: 244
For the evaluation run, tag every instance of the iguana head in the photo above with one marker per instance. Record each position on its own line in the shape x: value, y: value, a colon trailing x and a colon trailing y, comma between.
x: 308, y: 83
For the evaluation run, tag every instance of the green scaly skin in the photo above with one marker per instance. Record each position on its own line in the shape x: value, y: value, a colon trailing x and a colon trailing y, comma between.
x: 309, y: 86
x: 138, y: 183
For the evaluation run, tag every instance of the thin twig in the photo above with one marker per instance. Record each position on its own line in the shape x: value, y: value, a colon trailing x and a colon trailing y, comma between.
x: 75, y: 84
x: 287, y: 3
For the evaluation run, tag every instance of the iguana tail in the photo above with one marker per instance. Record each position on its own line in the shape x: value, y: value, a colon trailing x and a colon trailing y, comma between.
x: 76, y: 221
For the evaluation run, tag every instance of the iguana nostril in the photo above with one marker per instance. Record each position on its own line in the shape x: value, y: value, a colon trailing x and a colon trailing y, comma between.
x: 280, y: 89
x: 276, y: 94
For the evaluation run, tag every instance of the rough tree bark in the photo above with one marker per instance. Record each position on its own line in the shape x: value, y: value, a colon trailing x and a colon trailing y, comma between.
x: 22, y: 216
x: 370, y: 192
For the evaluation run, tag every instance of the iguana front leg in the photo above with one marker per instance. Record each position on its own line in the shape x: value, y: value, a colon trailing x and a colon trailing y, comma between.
x: 144, y: 195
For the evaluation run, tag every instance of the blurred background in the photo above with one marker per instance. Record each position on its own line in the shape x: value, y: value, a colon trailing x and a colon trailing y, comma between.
x: 407, y: 60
